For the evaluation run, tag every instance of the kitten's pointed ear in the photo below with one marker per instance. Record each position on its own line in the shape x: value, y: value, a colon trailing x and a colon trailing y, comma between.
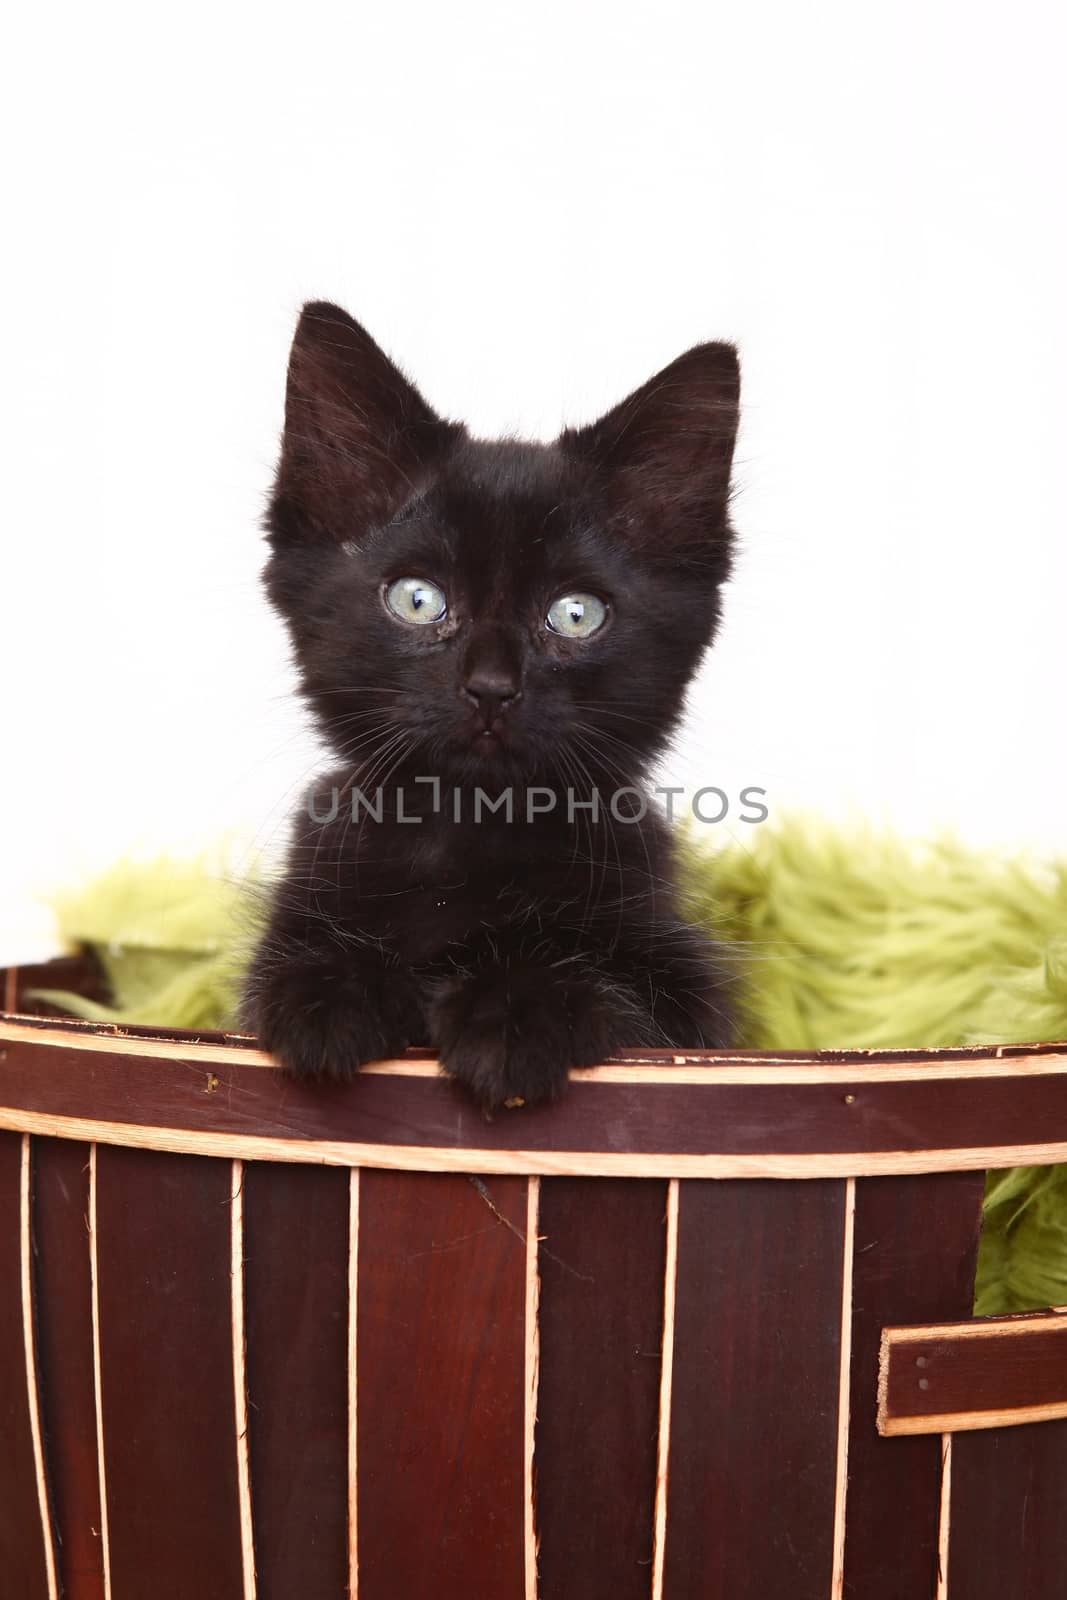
x: 359, y: 439
x: 664, y: 456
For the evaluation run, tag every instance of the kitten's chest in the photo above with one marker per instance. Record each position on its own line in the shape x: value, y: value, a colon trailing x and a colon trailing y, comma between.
x: 521, y: 901
x: 422, y: 890
x: 428, y: 906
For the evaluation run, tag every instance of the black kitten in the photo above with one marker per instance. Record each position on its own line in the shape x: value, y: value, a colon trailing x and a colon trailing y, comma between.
x: 490, y: 624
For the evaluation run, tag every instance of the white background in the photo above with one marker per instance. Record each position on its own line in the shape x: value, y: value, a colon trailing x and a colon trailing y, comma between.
x: 534, y: 208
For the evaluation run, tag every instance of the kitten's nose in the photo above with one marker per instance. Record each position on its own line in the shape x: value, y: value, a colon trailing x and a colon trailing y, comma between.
x: 491, y: 692
x: 492, y: 676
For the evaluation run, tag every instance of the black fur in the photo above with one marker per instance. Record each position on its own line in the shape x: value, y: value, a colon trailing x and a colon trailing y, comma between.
x: 516, y: 949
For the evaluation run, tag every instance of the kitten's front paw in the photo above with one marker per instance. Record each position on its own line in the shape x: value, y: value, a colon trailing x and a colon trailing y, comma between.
x: 513, y: 1034
x: 320, y: 1023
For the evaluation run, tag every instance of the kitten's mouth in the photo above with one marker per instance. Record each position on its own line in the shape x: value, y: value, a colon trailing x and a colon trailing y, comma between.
x: 492, y: 741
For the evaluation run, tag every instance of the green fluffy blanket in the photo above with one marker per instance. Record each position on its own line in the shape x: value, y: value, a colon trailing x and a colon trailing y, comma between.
x: 844, y: 940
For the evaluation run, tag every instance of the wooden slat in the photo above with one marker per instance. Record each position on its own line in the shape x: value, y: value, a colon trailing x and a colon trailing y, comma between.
x: 354, y: 1183
x: 441, y: 1366
x: 944, y: 1508
x: 916, y: 1243
x: 94, y: 1274
x: 844, y: 1381
x: 608, y: 1126
x: 995, y: 1372
x: 80, y: 973
x: 25, y: 1552
x: 65, y: 1361
x: 754, y: 1414
x: 163, y: 1251
x: 1008, y: 1531
x: 240, y: 1379
x: 296, y: 1317
x: 601, y: 1265
x: 29, y: 1347
x: 209, y: 1047
x: 666, y: 1381
x: 736, y: 1066
x: 531, y: 1381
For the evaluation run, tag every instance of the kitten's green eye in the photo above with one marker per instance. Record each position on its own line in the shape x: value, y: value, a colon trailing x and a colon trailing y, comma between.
x: 416, y: 600
x: 576, y: 616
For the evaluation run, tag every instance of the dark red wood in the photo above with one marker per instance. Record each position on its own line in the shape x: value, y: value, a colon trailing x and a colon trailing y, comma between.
x: 947, y: 1375
x: 441, y: 1321
x: 166, y: 1360
x: 79, y: 974
x: 601, y: 1264
x: 916, y: 1244
x: 750, y: 1502
x: 296, y: 1316
x: 23, y: 1571
x: 1008, y: 1531
x: 440, y: 1363
x: 649, y: 1117
x: 65, y: 1360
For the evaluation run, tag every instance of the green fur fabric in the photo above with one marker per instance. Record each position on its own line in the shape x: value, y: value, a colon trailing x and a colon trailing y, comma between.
x: 843, y: 939
x: 171, y: 936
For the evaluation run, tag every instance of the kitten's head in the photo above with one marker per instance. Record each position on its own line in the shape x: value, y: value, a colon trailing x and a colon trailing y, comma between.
x: 497, y: 608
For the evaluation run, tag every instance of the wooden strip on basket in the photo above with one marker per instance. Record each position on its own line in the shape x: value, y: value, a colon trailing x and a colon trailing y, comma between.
x: 65, y: 1361
x: 1008, y: 1529
x: 166, y: 1370
x: 25, y: 1567
x: 441, y: 1368
x: 644, y: 1128
x: 240, y: 1381
x: 530, y: 1383
x: 990, y: 1373
x: 296, y: 1321
x: 916, y: 1243
x: 29, y: 1345
x: 601, y: 1263
x: 211, y: 1048
x: 754, y: 1414
x: 79, y: 973
x: 352, y: 1381
x: 844, y: 1386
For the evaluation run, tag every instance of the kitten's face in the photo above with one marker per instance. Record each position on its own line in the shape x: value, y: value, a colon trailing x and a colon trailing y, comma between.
x: 497, y: 610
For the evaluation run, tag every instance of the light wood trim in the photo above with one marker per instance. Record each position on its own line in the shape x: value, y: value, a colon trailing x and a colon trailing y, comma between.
x: 971, y: 1421
x: 532, y: 1363
x: 11, y: 988
x: 844, y: 1393
x: 727, y: 1068
x: 533, y: 1163
x: 94, y: 1268
x: 240, y: 1385
x: 29, y: 1346
x: 1021, y: 1325
x: 353, y: 1390
x: 944, y: 1517
x: 666, y: 1380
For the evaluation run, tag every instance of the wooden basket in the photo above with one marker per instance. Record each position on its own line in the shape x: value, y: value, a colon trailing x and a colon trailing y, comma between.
x: 702, y: 1330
